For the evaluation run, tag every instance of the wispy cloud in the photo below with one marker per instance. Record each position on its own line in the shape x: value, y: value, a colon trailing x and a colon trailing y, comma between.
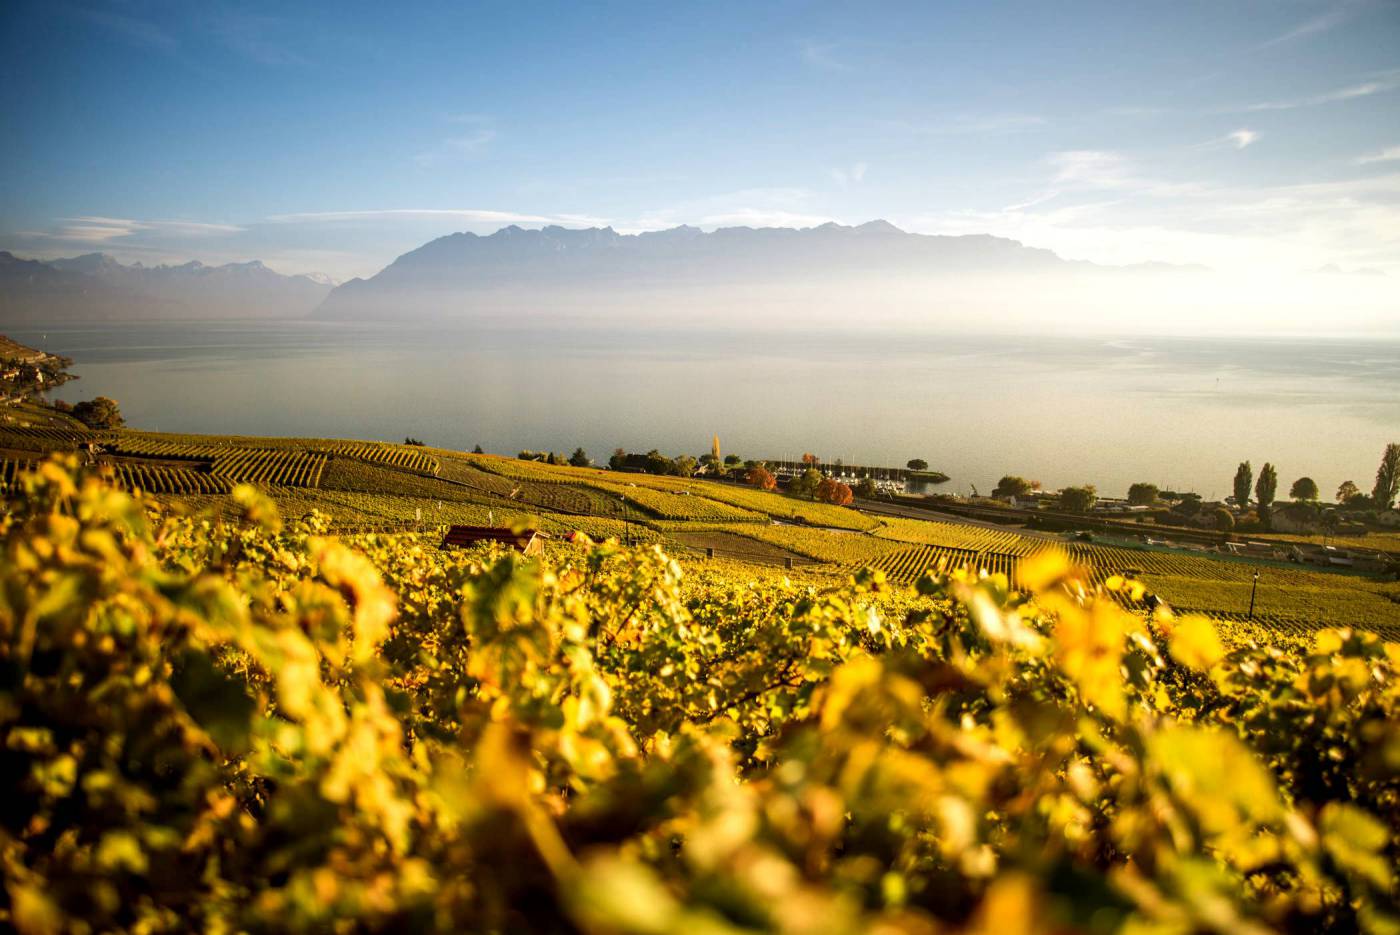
x: 1385, y: 81
x: 1389, y: 154
x: 455, y: 148
x: 259, y: 38
x: 1352, y: 222
x: 822, y: 55
x: 1090, y: 168
x: 849, y: 176
x: 1134, y: 110
x: 992, y: 123
x: 1236, y: 139
x: 95, y: 229
x: 135, y: 30
x: 468, y: 215
x: 1318, y: 24
x: 477, y: 135
x: 1242, y: 138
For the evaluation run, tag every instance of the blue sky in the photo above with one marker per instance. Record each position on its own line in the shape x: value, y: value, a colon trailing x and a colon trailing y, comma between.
x: 1242, y: 134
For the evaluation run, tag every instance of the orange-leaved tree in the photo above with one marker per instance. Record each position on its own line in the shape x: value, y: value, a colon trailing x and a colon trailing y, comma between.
x: 762, y: 478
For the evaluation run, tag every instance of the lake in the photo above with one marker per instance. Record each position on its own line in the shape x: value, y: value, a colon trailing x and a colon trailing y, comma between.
x: 1109, y: 411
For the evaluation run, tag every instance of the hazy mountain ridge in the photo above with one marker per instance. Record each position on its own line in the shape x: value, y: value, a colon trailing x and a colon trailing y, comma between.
x: 96, y: 287
x: 464, y: 273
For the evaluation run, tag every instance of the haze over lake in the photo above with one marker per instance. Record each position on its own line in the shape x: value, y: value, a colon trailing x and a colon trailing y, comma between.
x: 1110, y: 411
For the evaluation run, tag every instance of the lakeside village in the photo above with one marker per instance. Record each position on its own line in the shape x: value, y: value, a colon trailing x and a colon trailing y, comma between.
x: 1358, y: 532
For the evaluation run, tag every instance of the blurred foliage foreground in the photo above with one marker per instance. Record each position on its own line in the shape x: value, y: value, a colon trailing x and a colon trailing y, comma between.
x: 252, y: 726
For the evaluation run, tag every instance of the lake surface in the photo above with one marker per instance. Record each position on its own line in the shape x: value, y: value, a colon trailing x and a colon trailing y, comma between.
x: 1177, y: 412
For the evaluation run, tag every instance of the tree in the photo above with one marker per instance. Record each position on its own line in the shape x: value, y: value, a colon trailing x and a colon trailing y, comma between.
x: 580, y: 458
x: 1304, y: 488
x: 99, y: 413
x: 1244, y: 481
x: 805, y: 484
x: 1387, y: 478
x: 1188, y: 506
x: 1142, y: 494
x: 618, y: 459
x: 1012, y: 486
x: 1347, y: 491
x: 917, y: 464
x: 1266, y: 487
x: 478, y: 450
x: 865, y: 488
x: 1224, y: 521
x: 1079, y: 499
x: 683, y: 466
x: 761, y: 478
x: 413, y: 441
x: 732, y: 460
x: 833, y: 491
x: 811, y: 459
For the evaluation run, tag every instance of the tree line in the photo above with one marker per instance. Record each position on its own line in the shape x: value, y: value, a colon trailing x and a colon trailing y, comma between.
x: 1305, y: 489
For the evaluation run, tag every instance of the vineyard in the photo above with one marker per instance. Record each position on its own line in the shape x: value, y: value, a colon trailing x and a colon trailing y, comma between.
x: 362, y: 485
x: 234, y: 721
x: 650, y: 493
x: 407, y: 457
x: 1298, y: 601
x: 44, y: 438
x: 167, y: 480
x: 284, y: 468
x: 152, y: 479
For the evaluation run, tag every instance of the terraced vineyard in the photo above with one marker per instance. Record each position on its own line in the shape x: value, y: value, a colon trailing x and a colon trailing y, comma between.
x: 837, y: 548
x: 283, y: 468
x: 137, y: 446
x: 744, y: 503
x: 158, y: 479
x: 781, y: 506
x: 43, y: 438
x: 550, y: 495
x: 149, y: 478
x: 1300, y: 601
x: 956, y: 535
x: 677, y: 505
x: 732, y: 545
x: 370, y: 485
x: 408, y: 457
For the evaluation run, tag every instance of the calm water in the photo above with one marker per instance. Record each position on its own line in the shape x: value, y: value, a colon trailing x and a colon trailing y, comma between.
x: 1180, y: 413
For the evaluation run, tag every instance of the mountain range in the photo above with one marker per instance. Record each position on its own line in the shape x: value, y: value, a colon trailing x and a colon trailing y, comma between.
x: 464, y: 274
x: 95, y: 287
x: 517, y: 273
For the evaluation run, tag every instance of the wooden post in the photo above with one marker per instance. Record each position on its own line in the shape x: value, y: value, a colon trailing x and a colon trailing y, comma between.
x: 787, y: 562
x: 709, y: 552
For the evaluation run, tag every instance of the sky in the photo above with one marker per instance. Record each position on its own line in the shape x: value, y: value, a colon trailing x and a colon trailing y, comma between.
x: 1250, y: 136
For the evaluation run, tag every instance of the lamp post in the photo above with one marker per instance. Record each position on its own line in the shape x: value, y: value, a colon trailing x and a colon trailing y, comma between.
x: 1253, y: 589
